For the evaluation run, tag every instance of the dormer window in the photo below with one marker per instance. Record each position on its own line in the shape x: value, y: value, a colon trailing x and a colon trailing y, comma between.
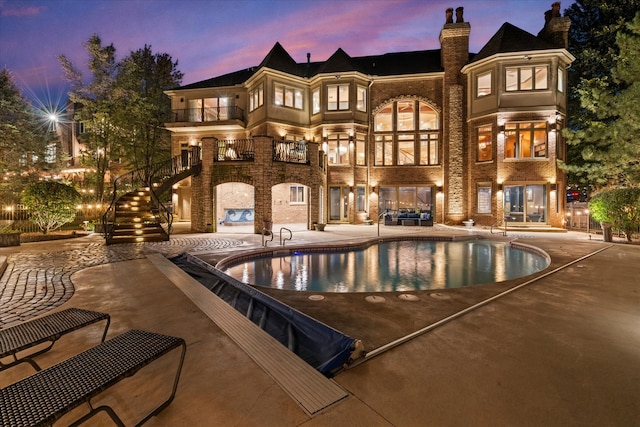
x: 526, y: 78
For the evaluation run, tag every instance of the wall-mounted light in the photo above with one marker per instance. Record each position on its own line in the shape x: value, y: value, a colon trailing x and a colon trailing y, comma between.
x: 501, y: 129
x: 440, y: 189
x: 350, y: 140
x: 324, y: 144
x: 373, y: 188
x: 552, y: 127
x: 350, y: 189
x: 500, y: 186
x: 554, y: 187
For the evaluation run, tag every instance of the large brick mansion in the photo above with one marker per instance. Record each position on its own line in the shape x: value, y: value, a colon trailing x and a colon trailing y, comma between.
x: 451, y: 134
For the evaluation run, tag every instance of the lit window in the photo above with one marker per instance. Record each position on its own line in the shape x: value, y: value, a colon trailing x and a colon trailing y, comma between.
x: 484, y: 143
x: 338, y: 149
x: 361, y: 100
x: 256, y: 98
x: 483, y: 84
x: 406, y: 149
x: 526, y: 78
x: 525, y: 140
x: 338, y: 97
x: 361, y: 144
x: 285, y: 96
x: 316, y: 101
x: 560, y: 80
x: 400, y: 117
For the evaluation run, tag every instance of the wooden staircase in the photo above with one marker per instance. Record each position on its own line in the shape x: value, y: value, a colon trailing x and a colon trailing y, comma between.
x: 135, y: 221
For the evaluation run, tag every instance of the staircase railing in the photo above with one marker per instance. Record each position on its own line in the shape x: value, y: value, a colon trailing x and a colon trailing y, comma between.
x: 153, y: 177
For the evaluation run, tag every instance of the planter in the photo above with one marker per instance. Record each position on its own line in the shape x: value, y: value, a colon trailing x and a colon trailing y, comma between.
x: 368, y: 222
x: 9, y: 239
x: 468, y: 223
x: 319, y: 227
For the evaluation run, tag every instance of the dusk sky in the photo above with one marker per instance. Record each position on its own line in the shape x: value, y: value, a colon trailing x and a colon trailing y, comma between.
x: 213, y: 37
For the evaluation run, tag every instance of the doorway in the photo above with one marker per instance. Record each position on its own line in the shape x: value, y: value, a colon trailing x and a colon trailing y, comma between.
x: 525, y: 203
x: 339, y: 204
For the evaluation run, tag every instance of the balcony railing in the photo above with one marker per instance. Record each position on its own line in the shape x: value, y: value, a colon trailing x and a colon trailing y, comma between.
x: 291, y: 151
x: 235, y: 149
x: 208, y: 114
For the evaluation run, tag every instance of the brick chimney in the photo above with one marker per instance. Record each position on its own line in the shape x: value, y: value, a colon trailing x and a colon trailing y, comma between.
x: 556, y: 27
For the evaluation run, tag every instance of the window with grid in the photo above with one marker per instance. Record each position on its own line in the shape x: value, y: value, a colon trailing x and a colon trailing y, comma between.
x: 338, y: 97
x: 256, y: 98
x: 485, y: 136
x: 338, y: 146
x: 397, y: 128
x: 526, y: 78
x: 296, y: 194
x: 525, y: 140
x: 286, y: 96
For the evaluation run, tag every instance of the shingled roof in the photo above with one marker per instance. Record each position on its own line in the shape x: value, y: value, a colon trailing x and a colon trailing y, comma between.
x: 510, y: 38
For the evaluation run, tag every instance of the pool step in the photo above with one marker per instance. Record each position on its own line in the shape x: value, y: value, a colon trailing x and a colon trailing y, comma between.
x: 308, y: 387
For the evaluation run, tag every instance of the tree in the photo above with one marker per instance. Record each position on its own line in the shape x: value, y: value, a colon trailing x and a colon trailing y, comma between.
x: 142, y: 79
x: 98, y: 107
x: 592, y: 40
x: 607, y: 138
x: 24, y: 141
x: 619, y: 206
x: 51, y: 204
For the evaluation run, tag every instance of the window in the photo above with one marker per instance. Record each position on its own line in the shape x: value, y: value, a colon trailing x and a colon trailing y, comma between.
x: 526, y: 78
x: 525, y: 140
x: 405, y: 115
x: 361, y: 204
x: 338, y: 97
x: 338, y: 149
x: 296, y: 194
x: 560, y: 80
x: 285, y: 96
x: 406, y: 149
x: 409, y: 198
x: 315, y: 97
x: 208, y: 109
x: 485, y: 136
x: 398, y: 126
x: 484, y: 198
x: 256, y: 98
x: 384, y: 150
x: 361, y: 149
x: 361, y: 98
x: 483, y: 84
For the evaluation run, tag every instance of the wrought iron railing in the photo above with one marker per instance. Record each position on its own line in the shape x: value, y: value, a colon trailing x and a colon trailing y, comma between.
x: 152, y: 177
x: 291, y: 151
x: 208, y: 114
x: 235, y: 149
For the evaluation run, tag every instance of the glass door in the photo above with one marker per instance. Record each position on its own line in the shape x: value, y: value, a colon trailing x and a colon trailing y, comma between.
x: 525, y: 203
x: 339, y: 204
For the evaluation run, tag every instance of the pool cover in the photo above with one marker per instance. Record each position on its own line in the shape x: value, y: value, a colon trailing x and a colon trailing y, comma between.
x: 321, y: 346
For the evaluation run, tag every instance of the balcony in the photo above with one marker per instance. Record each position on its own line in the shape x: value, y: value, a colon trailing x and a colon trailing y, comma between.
x: 208, y: 118
x: 291, y: 152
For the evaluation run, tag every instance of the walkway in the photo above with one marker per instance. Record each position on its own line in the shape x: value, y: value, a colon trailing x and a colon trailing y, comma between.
x: 560, y: 351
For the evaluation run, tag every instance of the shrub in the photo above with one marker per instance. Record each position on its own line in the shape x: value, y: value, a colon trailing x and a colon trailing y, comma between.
x: 619, y: 206
x: 51, y: 204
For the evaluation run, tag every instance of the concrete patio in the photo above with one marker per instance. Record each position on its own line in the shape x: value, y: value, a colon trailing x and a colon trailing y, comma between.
x: 562, y: 350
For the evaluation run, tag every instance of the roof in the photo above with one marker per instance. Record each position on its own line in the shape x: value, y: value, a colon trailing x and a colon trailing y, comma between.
x: 510, y: 38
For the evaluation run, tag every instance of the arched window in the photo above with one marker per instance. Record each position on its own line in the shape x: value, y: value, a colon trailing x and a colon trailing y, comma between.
x: 406, y: 132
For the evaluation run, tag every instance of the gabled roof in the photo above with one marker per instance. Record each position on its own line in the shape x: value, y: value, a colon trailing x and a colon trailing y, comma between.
x: 398, y: 63
x: 510, y: 38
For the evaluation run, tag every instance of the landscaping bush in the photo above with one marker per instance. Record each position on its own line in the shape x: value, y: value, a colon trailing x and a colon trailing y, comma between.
x: 51, y: 204
x: 620, y: 207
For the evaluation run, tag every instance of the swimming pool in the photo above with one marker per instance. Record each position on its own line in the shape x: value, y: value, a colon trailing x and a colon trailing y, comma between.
x: 386, y: 266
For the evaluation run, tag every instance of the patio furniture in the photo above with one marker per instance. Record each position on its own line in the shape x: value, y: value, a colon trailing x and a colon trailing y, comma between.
x: 47, y: 395
x: 45, y: 329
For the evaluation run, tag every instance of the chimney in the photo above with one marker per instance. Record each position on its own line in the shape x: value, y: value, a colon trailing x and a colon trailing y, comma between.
x: 454, y: 45
x: 556, y: 27
x: 308, y: 57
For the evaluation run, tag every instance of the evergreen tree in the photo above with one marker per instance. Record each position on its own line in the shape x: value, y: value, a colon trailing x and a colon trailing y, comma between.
x: 592, y: 40
x: 607, y: 138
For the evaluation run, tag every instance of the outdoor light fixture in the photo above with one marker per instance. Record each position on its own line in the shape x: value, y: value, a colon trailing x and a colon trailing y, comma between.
x: 501, y: 129
x: 554, y: 187
x: 350, y: 140
x: 500, y: 186
x: 440, y: 189
x: 350, y: 189
x: 552, y: 127
x: 373, y: 188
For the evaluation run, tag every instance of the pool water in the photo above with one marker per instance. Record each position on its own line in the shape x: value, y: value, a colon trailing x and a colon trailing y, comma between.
x: 391, y: 266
